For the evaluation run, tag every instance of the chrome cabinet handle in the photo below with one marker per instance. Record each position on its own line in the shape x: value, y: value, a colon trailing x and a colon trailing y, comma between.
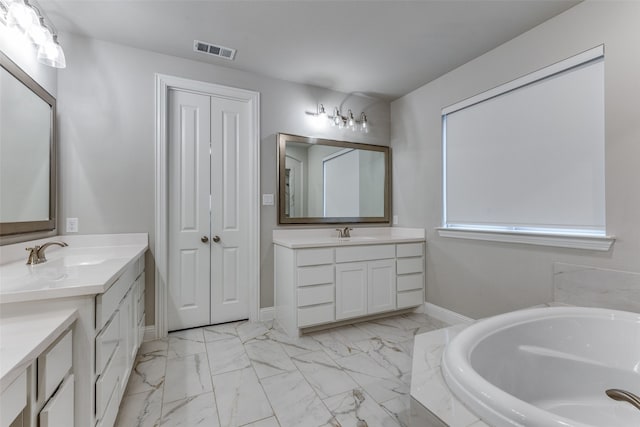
x: 204, y: 239
x: 216, y: 239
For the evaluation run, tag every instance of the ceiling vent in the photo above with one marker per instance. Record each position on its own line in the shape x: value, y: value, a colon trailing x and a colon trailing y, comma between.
x: 215, y: 50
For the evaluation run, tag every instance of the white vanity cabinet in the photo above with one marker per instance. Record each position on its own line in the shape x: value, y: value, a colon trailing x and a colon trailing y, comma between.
x: 321, y: 285
x: 118, y: 337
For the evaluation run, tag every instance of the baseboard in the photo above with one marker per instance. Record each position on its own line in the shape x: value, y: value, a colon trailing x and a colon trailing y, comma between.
x: 267, y: 313
x: 149, y: 333
x: 445, y: 315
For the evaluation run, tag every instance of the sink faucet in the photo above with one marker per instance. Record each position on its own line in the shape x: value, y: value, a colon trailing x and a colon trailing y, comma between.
x: 36, y: 254
x: 344, y: 232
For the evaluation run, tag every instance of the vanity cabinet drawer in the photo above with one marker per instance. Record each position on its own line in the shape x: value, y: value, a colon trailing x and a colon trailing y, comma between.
x: 314, y: 256
x: 53, y: 365
x: 316, y: 314
x: 410, y: 299
x: 108, y: 419
x: 410, y: 282
x: 409, y: 250
x: 107, y: 383
x: 365, y: 253
x: 315, y: 275
x: 107, y: 342
x: 58, y: 412
x: 410, y: 265
x: 312, y: 295
x: 13, y: 400
x: 107, y: 303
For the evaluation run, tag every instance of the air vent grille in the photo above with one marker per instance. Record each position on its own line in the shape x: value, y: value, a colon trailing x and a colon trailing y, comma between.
x: 215, y: 50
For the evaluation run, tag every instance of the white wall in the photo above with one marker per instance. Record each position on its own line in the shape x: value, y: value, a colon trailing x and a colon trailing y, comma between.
x: 106, y: 110
x: 480, y: 278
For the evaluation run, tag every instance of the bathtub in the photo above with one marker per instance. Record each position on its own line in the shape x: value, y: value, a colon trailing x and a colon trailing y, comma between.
x: 548, y: 367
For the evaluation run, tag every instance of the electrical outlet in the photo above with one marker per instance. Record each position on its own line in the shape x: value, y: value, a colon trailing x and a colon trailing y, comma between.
x: 72, y: 225
x: 267, y: 199
x: 395, y: 220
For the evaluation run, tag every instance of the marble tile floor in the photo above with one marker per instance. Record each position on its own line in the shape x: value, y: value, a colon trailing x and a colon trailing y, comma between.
x: 253, y: 375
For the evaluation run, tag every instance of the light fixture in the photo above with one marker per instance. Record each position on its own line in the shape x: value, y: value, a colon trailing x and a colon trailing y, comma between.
x: 28, y: 19
x: 342, y: 122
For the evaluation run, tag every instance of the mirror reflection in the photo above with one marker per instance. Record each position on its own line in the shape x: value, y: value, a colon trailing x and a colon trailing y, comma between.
x: 332, y: 181
x: 26, y: 137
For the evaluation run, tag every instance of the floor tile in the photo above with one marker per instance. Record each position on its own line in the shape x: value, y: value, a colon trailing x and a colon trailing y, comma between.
x: 140, y: 410
x: 192, y: 411
x: 334, y: 344
x: 400, y: 409
x: 185, y: 343
x: 267, y: 422
x: 221, y: 331
x: 240, y: 398
x: 187, y: 376
x: 268, y: 358
x: 323, y: 374
x: 148, y: 372
x: 294, y: 346
x: 378, y: 382
x: 227, y: 355
x: 387, y: 332
x: 390, y: 355
x: 294, y: 401
x: 356, y: 406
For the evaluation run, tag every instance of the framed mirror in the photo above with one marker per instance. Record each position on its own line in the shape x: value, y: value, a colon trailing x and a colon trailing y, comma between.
x: 27, y: 153
x: 327, y: 181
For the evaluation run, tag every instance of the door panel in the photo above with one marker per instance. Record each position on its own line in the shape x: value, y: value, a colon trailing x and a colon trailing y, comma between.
x: 189, y: 187
x: 382, y: 285
x: 229, y: 210
x: 351, y: 290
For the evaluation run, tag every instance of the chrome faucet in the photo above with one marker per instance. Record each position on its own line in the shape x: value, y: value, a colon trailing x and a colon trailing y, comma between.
x: 344, y: 232
x: 36, y: 254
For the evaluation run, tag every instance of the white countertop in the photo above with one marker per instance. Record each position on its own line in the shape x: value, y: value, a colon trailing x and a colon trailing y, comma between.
x: 23, y: 338
x: 89, y: 265
x: 323, y: 237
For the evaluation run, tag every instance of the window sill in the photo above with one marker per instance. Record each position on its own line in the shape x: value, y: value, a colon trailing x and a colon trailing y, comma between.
x: 594, y: 243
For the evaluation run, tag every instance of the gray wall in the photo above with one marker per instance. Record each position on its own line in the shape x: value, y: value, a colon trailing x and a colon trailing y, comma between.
x: 106, y: 110
x: 478, y: 278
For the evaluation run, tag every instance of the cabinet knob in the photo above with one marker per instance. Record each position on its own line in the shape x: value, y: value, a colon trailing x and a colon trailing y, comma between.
x: 204, y: 239
x: 216, y: 239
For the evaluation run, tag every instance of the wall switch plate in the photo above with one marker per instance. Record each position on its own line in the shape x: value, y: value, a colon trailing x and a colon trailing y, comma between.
x: 395, y: 220
x: 72, y: 225
x: 267, y: 199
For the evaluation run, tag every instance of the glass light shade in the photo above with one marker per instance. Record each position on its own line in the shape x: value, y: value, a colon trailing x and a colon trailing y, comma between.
x: 351, y: 122
x: 21, y: 15
x: 51, y: 54
x: 40, y: 35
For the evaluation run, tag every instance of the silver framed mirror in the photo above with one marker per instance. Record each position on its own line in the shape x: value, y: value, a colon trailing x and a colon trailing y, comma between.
x: 331, y: 182
x: 27, y: 153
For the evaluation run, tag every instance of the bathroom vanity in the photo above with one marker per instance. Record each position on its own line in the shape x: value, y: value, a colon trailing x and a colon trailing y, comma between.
x: 321, y: 279
x: 98, y: 282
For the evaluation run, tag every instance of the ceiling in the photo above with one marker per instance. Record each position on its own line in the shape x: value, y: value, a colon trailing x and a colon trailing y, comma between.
x: 378, y: 48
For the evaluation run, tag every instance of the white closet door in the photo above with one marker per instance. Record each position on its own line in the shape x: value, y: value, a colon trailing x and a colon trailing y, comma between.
x: 230, y: 124
x: 189, y: 221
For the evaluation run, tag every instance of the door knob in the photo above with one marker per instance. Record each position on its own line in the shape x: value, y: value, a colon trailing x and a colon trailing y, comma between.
x: 204, y: 239
x: 216, y: 239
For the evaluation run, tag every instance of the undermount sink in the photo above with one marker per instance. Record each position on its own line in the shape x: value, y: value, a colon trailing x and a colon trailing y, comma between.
x: 356, y: 238
x: 548, y: 367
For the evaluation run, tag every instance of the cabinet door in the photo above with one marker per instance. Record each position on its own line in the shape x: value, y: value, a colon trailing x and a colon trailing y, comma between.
x: 381, y: 290
x: 351, y: 290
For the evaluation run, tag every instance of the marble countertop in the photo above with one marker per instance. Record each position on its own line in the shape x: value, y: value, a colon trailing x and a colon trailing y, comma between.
x: 324, y: 237
x: 88, y: 266
x: 23, y: 338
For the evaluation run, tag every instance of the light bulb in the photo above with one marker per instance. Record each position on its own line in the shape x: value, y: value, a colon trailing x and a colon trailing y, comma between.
x: 363, y: 123
x: 350, y: 120
x: 337, y: 119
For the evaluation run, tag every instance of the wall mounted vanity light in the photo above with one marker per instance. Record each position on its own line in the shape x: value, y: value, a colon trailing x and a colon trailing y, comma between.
x: 22, y: 16
x: 343, y: 122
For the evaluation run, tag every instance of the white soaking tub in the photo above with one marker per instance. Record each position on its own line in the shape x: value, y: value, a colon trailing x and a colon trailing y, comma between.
x: 548, y: 367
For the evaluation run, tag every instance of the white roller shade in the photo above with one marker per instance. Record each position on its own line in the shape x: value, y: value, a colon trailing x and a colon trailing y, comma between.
x: 529, y: 155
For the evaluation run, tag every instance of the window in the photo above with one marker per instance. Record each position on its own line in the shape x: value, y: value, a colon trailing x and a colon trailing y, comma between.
x: 527, y: 158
